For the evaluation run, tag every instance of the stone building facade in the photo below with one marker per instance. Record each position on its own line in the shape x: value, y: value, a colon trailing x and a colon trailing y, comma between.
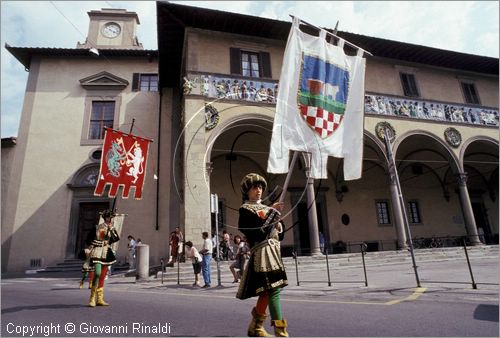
x: 208, y: 100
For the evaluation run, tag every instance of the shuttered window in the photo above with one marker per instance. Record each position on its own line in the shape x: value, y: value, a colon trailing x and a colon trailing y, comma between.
x: 251, y: 64
x: 470, y: 93
x: 145, y: 82
x: 409, y: 85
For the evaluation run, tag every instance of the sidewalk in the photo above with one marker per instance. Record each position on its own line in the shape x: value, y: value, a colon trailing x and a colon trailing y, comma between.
x: 388, y: 281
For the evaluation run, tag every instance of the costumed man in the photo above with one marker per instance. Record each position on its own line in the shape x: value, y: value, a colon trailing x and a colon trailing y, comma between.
x: 102, y: 256
x: 264, y: 274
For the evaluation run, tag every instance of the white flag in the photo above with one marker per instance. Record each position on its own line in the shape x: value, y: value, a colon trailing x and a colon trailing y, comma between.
x: 320, y: 105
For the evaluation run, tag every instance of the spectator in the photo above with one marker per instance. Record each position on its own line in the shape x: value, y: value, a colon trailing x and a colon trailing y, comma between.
x: 241, y: 254
x: 196, y: 259
x: 322, y: 242
x: 131, y: 252
x: 206, y: 251
x: 175, y: 238
x: 225, y: 245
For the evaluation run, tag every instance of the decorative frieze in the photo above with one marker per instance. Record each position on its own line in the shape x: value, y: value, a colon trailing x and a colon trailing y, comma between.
x: 429, y: 110
x: 219, y: 86
x: 226, y: 87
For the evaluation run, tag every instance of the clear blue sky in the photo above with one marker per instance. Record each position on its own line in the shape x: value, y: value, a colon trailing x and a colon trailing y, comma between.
x: 463, y: 26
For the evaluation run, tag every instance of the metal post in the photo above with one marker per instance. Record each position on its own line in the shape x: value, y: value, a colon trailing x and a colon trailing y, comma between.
x: 363, y: 252
x: 294, y: 253
x: 328, y: 267
x: 474, y: 285
x: 178, y: 271
x: 162, y: 269
x: 394, y: 172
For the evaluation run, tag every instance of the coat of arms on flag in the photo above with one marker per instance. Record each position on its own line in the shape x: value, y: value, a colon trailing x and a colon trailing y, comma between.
x: 323, y: 93
x: 320, y: 105
x: 123, y: 163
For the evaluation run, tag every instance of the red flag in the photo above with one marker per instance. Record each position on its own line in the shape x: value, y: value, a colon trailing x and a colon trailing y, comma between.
x: 123, y: 163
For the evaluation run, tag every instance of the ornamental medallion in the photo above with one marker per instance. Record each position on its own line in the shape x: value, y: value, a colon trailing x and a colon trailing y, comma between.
x: 453, y: 137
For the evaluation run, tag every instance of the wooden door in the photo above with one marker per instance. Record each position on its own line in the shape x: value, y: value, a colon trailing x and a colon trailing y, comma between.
x: 88, y: 217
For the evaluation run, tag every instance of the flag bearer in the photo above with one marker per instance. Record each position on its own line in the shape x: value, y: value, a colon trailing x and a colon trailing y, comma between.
x: 102, y: 256
x: 264, y: 275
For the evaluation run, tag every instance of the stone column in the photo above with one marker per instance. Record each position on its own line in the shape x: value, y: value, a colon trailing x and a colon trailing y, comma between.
x: 470, y: 222
x: 313, y: 219
x: 398, y: 216
x: 142, y: 261
x: 312, y: 214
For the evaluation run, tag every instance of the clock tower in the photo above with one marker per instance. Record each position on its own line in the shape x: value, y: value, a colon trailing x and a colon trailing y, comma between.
x: 111, y: 28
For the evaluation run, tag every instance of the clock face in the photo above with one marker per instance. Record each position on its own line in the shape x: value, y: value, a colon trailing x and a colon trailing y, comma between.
x: 111, y: 30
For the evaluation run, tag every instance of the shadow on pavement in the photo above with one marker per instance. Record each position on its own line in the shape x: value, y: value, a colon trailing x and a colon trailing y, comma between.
x: 486, y: 312
x: 37, y: 307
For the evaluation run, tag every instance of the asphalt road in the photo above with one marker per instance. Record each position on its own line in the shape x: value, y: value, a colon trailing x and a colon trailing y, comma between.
x: 392, y: 306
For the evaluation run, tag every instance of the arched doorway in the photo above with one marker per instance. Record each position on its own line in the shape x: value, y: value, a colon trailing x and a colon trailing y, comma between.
x: 85, y: 208
x: 239, y: 147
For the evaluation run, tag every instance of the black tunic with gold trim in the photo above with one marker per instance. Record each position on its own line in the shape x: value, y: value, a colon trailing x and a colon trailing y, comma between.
x: 265, y: 269
x: 101, y: 251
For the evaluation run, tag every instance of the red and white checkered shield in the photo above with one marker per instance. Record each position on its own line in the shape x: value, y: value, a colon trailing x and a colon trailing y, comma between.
x: 321, y: 121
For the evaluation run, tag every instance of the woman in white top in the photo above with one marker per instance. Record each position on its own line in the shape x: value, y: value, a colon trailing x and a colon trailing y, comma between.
x: 192, y: 252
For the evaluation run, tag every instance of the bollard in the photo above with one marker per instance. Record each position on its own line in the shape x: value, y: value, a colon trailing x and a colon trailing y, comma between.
x: 142, y: 261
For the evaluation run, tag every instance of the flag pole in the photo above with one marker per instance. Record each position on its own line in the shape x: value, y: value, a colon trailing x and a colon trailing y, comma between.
x: 116, y: 196
x: 288, y: 176
x: 332, y: 34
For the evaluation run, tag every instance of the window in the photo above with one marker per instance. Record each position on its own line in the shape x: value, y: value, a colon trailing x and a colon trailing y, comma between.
x: 383, y: 217
x: 145, y: 82
x: 102, y: 115
x: 409, y: 85
x: 251, y: 64
x: 414, y: 213
x: 470, y: 93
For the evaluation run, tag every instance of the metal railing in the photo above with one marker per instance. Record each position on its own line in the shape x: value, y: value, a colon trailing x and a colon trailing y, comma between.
x: 464, y: 241
x: 362, y: 250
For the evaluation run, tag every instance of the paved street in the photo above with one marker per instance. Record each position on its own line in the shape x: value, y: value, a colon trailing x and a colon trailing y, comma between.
x: 391, y: 305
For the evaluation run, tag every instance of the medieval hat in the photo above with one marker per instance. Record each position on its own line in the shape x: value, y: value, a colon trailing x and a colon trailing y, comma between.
x: 108, y: 214
x: 249, y: 180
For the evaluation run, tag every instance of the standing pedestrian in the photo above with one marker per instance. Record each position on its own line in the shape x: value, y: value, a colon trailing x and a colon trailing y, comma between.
x: 174, y: 248
x: 206, y: 251
x: 131, y: 252
x: 322, y: 242
x: 192, y: 252
x: 102, y: 257
x: 264, y: 274
x: 239, y: 262
x: 180, y: 247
